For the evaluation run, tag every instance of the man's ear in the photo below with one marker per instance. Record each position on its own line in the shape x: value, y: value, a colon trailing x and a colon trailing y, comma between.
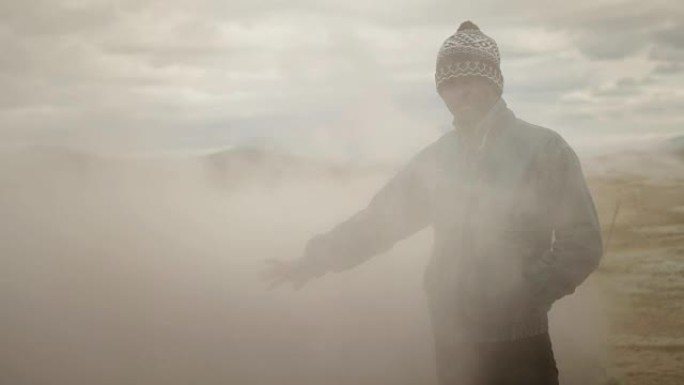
x: 496, y: 94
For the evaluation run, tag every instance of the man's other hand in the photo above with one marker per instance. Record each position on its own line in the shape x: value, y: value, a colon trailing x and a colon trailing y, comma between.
x: 279, y: 272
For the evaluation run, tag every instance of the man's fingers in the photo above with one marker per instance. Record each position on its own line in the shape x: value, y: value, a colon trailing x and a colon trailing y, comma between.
x: 276, y: 282
x: 279, y: 272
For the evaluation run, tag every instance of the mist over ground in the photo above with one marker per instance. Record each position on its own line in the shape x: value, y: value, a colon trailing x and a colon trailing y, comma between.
x: 146, y: 270
x: 119, y: 269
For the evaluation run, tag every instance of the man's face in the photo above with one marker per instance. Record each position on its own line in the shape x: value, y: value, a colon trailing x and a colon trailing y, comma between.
x: 468, y: 98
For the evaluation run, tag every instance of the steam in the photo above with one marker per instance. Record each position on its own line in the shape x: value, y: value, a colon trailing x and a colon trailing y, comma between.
x: 146, y: 270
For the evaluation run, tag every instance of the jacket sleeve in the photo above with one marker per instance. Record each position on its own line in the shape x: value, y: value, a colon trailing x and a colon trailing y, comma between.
x: 399, y: 209
x: 577, y: 246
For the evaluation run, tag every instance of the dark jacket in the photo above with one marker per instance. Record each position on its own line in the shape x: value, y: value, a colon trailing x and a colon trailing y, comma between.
x: 514, y: 224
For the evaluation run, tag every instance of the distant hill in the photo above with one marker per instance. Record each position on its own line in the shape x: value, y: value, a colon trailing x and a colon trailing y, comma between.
x: 228, y: 168
x: 663, y: 161
x: 676, y: 146
x: 234, y: 167
x: 250, y: 164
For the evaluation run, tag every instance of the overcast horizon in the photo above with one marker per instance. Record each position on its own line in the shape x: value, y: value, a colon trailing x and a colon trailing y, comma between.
x: 323, y: 78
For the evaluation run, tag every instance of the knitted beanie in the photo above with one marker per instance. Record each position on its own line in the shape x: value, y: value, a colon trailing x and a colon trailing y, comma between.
x: 469, y: 52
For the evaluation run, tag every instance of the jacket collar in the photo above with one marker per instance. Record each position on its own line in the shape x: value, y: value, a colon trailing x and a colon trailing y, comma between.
x: 487, y: 126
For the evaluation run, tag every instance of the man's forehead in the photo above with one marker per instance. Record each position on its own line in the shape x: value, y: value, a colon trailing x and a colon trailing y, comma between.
x: 464, y: 81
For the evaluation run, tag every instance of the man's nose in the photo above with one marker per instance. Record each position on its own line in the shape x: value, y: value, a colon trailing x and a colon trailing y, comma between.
x: 460, y: 95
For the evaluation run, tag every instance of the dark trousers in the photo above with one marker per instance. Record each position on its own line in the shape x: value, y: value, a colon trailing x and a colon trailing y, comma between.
x: 527, y: 361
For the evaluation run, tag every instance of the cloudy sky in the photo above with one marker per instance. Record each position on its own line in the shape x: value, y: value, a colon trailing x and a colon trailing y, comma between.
x: 325, y: 77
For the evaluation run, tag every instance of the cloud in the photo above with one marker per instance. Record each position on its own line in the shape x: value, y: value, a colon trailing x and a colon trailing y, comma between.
x: 56, y: 18
x: 172, y: 72
x: 668, y: 69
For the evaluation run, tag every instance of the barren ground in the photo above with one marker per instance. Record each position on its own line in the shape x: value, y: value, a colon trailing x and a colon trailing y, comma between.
x: 643, y: 277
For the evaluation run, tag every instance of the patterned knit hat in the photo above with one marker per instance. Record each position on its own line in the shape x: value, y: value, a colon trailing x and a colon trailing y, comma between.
x: 469, y: 52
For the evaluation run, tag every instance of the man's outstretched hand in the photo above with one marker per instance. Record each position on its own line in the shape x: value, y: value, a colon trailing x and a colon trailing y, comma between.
x: 279, y: 272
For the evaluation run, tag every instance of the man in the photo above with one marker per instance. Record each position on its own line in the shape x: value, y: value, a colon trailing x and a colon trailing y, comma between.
x: 515, y: 227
